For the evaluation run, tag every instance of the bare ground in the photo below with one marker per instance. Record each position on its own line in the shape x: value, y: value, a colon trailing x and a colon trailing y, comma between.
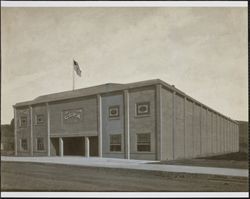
x: 20, y: 176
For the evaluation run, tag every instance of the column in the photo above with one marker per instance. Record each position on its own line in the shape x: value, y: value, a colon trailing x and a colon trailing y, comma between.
x: 158, y: 123
x: 31, y: 131
x: 48, y: 128
x: 15, y: 130
x: 86, y: 147
x: 61, y: 147
x: 99, y: 116
x: 174, y: 122
x: 126, y: 124
x: 185, y: 124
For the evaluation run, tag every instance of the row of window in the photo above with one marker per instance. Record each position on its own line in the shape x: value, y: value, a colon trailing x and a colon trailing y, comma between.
x: 39, y: 119
x: 142, y: 143
x: 39, y: 144
x: 142, y: 109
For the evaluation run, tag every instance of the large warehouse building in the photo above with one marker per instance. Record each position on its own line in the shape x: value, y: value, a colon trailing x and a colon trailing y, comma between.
x: 149, y: 120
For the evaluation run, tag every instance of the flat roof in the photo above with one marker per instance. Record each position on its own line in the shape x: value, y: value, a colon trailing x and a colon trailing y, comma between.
x: 107, y: 88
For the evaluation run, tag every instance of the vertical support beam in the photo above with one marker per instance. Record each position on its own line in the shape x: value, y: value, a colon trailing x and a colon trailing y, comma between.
x: 15, y: 130
x: 31, y: 131
x: 185, y: 123
x: 86, y: 146
x: 174, y: 123
x: 126, y: 124
x: 158, y: 102
x: 193, y: 132
x: 99, y: 116
x: 200, y: 152
x: 206, y: 132
x: 238, y: 138
x: 61, y: 147
x: 48, y: 128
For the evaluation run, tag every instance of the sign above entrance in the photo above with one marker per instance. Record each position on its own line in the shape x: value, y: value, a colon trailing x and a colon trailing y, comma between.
x: 72, y: 116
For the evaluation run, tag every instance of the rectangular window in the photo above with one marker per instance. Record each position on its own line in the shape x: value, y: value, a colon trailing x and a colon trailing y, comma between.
x: 40, y: 119
x: 40, y: 144
x: 143, y: 108
x: 143, y: 142
x: 115, y: 142
x: 114, y: 112
x: 23, y: 121
x: 24, y: 144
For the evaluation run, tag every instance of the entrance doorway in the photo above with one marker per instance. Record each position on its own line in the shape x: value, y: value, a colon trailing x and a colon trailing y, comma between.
x: 74, y: 146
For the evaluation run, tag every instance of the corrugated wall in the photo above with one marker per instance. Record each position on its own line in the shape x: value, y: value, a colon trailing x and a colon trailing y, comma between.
x: 167, y: 124
x: 209, y: 132
x: 179, y: 139
x: 191, y: 130
x: 188, y: 129
x: 214, y: 133
x: 197, y: 130
x: 203, y: 131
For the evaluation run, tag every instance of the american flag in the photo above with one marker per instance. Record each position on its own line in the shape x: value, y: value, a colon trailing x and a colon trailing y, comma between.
x: 77, y: 68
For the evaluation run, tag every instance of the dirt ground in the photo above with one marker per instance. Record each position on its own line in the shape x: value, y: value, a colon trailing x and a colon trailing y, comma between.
x: 20, y: 176
x: 237, y: 160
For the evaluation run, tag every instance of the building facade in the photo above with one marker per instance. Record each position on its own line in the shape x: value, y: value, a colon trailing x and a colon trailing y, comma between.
x: 149, y: 120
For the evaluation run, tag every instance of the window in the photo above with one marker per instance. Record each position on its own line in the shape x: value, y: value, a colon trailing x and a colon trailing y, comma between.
x: 39, y: 119
x: 114, y: 112
x: 40, y: 144
x: 23, y: 121
x: 24, y: 144
x: 143, y: 142
x: 142, y: 108
x: 115, y: 142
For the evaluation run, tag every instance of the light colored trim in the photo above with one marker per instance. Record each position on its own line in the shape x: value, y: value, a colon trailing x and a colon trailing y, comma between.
x: 126, y: 124
x: 185, y: 123
x: 174, y: 122
x: 193, y: 134
x: 61, y: 146
x: 48, y: 128
x: 200, y: 153
x: 158, y: 122
x: 31, y: 131
x: 86, y: 146
x: 99, y: 125
x: 15, y: 130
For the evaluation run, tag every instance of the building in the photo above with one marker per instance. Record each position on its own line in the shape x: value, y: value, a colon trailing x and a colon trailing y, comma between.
x: 149, y: 120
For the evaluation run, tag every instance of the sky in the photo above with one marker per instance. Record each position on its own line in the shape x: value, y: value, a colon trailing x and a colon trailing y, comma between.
x: 202, y: 51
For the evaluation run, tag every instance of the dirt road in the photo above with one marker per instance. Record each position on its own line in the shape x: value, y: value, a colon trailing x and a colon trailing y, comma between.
x: 19, y: 176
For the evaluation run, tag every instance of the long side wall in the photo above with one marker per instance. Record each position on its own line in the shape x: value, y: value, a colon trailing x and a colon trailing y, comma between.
x: 191, y: 130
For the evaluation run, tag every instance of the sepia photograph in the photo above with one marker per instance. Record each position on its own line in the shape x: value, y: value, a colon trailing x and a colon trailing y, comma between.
x: 131, y: 98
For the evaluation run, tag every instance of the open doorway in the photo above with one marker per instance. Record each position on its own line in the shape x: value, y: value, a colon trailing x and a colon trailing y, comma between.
x: 74, y: 146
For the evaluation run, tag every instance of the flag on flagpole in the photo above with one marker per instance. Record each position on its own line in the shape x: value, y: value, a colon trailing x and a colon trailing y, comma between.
x: 77, y: 68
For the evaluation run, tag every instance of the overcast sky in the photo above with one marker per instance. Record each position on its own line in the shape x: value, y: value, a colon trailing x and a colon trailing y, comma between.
x: 202, y: 51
